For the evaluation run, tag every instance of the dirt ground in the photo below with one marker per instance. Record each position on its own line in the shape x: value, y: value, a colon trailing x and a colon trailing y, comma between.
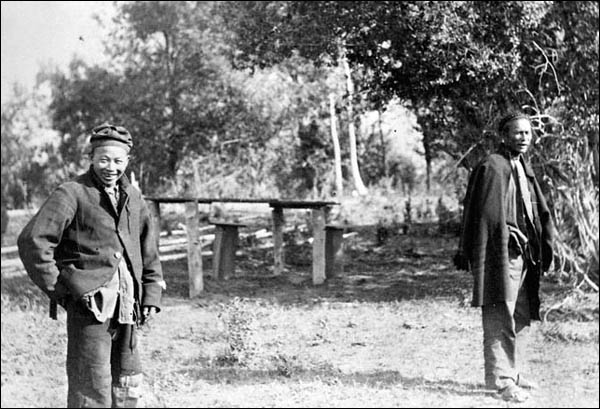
x: 395, y: 329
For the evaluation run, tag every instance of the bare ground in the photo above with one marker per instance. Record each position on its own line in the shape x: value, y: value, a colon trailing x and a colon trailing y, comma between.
x: 394, y: 330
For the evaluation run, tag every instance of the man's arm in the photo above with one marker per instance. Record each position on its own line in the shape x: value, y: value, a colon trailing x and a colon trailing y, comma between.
x: 41, y: 236
x: 477, y: 210
x: 152, y: 277
x: 548, y: 229
x: 462, y: 258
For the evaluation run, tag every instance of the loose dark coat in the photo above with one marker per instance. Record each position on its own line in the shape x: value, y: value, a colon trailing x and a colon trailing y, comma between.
x: 486, y: 234
x: 75, y: 241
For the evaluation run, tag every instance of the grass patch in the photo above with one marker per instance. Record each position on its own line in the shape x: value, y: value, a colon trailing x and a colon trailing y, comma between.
x: 394, y: 330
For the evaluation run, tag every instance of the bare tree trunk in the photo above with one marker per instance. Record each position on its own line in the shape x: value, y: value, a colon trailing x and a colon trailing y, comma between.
x: 383, y: 145
x: 337, y: 156
x: 134, y: 181
x: 141, y: 181
x: 358, y: 183
x: 428, y: 160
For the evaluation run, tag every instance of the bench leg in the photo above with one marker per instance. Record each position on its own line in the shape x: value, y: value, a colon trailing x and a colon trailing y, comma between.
x: 194, y: 250
x: 154, y: 210
x: 334, y: 251
x: 224, y: 247
x: 277, y: 240
x: 318, y: 222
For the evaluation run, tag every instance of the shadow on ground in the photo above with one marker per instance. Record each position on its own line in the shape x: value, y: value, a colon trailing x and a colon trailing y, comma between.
x: 235, y: 375
x: 403, y: 267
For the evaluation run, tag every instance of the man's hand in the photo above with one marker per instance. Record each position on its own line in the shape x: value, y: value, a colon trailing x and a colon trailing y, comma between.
x: 148, y: 314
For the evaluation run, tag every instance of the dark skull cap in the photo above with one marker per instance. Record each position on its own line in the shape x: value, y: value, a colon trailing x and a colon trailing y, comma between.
x: 509, y: 117
x: 107, y: 134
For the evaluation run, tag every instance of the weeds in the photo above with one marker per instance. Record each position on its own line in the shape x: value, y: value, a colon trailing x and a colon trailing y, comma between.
x: 286, y: 365
x: 239, y: 318
x: 449, y: 221
x: 570, y: 332
x: 577, y: 233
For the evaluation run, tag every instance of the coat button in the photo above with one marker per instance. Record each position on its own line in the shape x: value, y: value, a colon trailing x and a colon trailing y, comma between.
x: 117, y: 254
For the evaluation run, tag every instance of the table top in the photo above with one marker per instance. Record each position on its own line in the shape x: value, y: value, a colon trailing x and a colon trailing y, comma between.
x: 282, y: 203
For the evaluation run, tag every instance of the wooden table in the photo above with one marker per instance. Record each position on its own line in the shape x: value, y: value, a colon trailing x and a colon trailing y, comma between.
x: 320, y: 210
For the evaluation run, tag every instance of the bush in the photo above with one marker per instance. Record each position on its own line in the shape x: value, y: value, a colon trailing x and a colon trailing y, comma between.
x: 239, y: 318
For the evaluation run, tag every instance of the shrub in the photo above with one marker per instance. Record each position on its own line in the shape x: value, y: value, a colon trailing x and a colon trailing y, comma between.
x: 239, y: 319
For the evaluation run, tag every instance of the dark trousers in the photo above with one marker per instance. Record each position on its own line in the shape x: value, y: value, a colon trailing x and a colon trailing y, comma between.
x: 504, y: 333
x: 101, y: 357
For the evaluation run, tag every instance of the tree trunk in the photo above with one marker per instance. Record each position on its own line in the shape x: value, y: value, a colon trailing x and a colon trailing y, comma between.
x: 383, y: 145
x: 428, y: 160
x: 337, y: 156
x: 175, y: 148
x: 358, y: 183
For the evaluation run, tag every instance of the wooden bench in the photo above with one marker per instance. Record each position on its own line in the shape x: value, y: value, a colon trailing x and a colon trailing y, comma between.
x: 319, y: 209
x: 224, y: 247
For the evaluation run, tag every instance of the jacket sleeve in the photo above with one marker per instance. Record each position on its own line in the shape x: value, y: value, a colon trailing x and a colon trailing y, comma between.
x: 472, y: 211
x: 479, y: 208
x: 152, y: 277
x: 547, y: 234
x: 40, y: 237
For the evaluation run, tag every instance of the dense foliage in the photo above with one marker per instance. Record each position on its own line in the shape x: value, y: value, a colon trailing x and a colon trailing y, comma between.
x: 234, y: 97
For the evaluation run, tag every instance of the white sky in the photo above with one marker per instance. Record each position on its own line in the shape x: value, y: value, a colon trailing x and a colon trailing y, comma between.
x: 37, y: 33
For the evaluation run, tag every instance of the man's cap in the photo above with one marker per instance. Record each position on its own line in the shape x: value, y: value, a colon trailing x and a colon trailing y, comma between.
x: 107, y: 134
x: 509, y: 117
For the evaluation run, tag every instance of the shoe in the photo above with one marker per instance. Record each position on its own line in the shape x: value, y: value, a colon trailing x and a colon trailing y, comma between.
x: 513, y: 393
x: 526, y: 383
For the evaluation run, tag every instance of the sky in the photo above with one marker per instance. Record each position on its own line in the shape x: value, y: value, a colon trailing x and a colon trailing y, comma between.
x: 38, y: 33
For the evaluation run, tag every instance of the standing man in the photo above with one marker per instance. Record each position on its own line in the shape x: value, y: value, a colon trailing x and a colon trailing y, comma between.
x: 91, y: 248
x: 507, y: 245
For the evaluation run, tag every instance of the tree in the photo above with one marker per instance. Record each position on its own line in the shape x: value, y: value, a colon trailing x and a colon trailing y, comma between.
x: 31, y: 163
x: 167, y: 83
x: 267, y: 33
x: 339, y: 182
x: 459, y: 65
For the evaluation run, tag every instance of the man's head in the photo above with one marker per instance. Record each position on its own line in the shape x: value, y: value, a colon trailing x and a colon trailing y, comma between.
x: 110, y: 152
x: 515, y: 129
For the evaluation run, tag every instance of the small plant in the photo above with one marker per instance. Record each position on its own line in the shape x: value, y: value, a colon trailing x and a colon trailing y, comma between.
x: 388, y: 225
x: 285, y: 365
x: 239, y: 319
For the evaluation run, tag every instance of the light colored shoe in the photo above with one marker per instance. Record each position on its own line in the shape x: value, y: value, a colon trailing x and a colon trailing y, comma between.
x: 513, y: 393
x: 526, y: 383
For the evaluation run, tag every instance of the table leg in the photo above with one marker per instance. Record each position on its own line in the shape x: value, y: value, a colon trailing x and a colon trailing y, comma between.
x: 318, y: 222
x: 278, y: 240
x: 195, y: 283
x: 154, y: 210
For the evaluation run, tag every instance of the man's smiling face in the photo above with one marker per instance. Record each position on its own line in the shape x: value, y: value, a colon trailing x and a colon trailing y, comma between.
x: 109, y: 163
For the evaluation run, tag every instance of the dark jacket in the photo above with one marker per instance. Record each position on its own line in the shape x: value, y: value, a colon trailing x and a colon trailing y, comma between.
x: 74, y: 242
x: 485, y: 241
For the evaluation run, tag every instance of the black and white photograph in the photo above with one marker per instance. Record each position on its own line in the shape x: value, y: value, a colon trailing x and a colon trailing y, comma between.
x: 300, y: 204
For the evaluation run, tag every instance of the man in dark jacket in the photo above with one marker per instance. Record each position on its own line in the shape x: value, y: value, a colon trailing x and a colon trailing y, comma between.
x: 91, y: 248
x: 506, y: 242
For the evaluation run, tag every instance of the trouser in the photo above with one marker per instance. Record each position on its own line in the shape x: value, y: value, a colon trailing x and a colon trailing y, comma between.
x: 103, y: 362
x: 504, y: 333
